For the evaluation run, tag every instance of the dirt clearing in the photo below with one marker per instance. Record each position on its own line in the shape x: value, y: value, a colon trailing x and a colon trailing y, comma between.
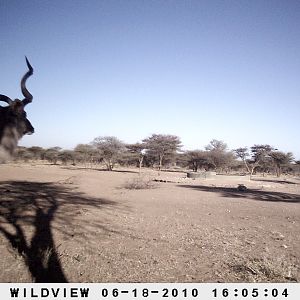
x: 81, y: 225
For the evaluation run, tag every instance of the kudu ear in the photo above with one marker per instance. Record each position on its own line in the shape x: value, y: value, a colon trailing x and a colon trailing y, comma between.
x: 6, y: 99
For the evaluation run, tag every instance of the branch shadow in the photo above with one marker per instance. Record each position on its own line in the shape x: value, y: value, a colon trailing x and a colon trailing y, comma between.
x: 252, y: 194
x: 37, y: 204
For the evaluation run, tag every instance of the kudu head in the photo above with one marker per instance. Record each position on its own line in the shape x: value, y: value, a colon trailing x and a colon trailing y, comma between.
x: 13, y: 120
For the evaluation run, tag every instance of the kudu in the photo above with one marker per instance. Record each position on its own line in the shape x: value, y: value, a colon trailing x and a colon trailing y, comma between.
x: 13, y: 121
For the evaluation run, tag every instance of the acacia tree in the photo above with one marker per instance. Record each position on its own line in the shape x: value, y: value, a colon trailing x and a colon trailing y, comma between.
x: 243, y: 153
x: 110, y: 149
x: 67, y: 156
x: 36, y: 151
x: 260, y: 157
x: 22, y: 153
x: 161, y: 146
x: 264, y: 156
x: 198, y: 159
x: 52, y: 154
x: 281, y: 159
x: 137, y: 150
x: 296, y: 167
x: 219, y: 155
x: 85, y: 154
x: 216, y: 145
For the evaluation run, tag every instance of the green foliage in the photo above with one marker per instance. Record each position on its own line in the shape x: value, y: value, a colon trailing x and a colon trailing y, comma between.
x: 67, y: 156
x: 280, y: 160
x: 52, y: 154
x: 22, y: 154
x: 37, y: 152
x: 136, y: 152
x: 199, y: 159
x: 162, y: 146
x: 85, y: 154
x: 260, y: 153
x: 216, y: 145
x: 219, y: 156
x: 161, y: 149
x: 110, y: 148
x: 242, y: 153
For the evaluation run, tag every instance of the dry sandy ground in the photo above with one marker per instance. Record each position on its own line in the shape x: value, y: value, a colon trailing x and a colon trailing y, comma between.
x: 78, y: 225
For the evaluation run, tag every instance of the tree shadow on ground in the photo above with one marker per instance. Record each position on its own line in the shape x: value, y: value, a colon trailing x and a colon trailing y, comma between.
x: 34, y: 205
x: 252, y: 194
x: 74, y: 168
x: 117, y: 171
x: 273, y: 181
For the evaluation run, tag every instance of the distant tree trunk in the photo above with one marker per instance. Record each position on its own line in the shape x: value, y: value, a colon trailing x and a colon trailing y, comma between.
x: 111, y: 165
x: 247, y: 167
x: 108, y: 164
x: 252, y: 171
x: 278, y: 171
x: 140, y: 163
x: 195, y: 167
x: 160, y: 162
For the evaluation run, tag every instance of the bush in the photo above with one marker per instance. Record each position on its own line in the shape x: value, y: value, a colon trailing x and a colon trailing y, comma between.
x: 139, y: 184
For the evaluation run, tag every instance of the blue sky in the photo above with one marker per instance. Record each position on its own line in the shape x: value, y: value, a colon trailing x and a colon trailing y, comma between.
x: 202, y: 70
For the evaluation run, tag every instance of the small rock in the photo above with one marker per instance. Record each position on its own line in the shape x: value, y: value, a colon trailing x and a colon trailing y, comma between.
x: 277, y: 235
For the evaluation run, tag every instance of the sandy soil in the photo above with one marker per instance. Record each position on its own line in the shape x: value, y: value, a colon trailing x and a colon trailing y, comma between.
x: 68, y: 224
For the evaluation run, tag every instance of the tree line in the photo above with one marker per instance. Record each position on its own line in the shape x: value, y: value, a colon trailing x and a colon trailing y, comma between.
x: 165, y: 151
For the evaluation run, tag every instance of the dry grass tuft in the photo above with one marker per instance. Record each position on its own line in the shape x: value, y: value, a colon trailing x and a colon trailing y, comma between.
x: 69, y: 180
x: 270, y: 269
x: 140, y: 183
